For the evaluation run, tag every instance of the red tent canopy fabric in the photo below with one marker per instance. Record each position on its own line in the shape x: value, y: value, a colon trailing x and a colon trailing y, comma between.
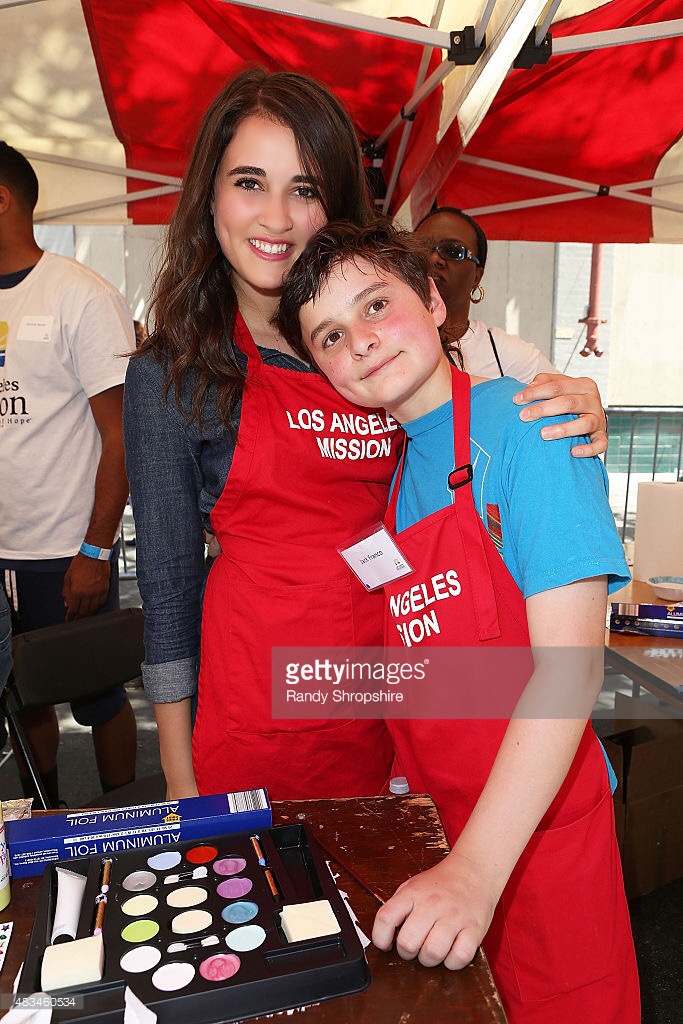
x: 607, y: 117
x: 161, y: 63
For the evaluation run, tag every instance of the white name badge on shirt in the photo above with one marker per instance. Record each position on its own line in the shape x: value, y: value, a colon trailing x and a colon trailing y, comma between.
x: 376, y: 558
x: 35, y: 328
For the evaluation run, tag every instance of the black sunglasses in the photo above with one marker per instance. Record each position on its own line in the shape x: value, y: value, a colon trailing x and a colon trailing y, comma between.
x: 452, y: 251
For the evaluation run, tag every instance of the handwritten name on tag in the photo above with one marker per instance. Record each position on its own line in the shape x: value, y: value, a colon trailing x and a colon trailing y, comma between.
x: 376, y: 558
x: 35, y: 328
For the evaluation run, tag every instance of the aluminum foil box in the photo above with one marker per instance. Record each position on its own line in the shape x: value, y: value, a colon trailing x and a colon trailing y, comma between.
x: 35, y: 842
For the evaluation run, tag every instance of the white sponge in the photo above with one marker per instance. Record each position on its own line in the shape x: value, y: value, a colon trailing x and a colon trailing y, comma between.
x: 72, y: 963
x: 308, y: 921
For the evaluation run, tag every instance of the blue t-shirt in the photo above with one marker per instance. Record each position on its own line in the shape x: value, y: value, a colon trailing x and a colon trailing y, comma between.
x: 546, y: 512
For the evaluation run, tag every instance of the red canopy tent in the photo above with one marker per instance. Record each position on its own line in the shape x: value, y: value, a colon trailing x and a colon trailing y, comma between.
x: 603, y: 120
x: 161, y: 64
x: 584, y: 147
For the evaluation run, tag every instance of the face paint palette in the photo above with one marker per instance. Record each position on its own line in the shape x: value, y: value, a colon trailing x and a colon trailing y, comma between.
x: 197, y: 930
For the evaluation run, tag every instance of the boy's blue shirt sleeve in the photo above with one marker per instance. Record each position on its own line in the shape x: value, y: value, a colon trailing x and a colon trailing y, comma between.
x: 556, y: 523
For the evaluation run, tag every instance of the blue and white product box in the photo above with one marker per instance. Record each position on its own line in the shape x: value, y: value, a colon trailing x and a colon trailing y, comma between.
x: 35, y: 842
x: 647, y: 619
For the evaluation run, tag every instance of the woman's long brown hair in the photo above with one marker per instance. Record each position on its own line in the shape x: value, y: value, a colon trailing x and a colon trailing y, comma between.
x: 194, y: 304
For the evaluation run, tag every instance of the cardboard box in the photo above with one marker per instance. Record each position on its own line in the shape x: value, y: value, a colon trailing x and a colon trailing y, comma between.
x: 35, y: 842
x: 647, y: 756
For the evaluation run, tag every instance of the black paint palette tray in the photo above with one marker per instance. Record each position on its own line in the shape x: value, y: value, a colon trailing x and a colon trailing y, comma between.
x: 194, y: 930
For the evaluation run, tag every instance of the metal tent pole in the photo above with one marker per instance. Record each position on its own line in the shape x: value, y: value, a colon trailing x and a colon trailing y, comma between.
x: 619, y: 37
x: 350, y: 19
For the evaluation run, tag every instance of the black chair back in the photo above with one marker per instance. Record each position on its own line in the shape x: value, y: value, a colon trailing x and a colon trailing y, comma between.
x: 71, y: 661
x: 78, y: 660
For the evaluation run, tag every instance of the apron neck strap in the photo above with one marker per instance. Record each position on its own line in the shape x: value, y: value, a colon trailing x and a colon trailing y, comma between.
x: 244, y: 340
x: 466, y: 520
x: 395, y: 487
x: 461, y: 476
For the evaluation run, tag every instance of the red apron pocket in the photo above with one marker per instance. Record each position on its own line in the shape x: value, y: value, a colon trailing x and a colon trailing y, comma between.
x: 297, y: 616
x: 564, y: 915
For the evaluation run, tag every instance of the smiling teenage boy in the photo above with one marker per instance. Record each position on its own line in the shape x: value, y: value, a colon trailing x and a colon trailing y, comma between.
x: 534, y: 870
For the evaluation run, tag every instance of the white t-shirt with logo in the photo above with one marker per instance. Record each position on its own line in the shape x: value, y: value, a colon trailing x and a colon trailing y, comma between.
x: 64, y: 336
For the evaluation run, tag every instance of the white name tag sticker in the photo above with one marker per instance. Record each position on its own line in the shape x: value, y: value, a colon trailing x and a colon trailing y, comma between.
x: 35, y: 328
x: 375, y: 558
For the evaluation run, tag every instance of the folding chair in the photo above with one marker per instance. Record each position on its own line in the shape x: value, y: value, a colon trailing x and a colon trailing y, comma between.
x: 71, y: 661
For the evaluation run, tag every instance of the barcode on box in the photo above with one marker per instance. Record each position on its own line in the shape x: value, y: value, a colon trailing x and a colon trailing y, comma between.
x: 249, y: 800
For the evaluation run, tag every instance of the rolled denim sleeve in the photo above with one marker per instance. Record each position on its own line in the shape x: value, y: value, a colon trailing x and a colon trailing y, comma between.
x: 164, y: 470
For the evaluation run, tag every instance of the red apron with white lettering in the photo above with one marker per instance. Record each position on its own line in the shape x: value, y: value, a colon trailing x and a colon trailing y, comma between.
x: 560, y: 944
x: 309, y: 471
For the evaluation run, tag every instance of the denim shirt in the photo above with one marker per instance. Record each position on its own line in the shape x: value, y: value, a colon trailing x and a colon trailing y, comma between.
x: 177, y: 472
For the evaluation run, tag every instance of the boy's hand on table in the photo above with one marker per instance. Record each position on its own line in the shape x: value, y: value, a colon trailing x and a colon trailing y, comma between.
x: 440, y: 915
x: 559, y: 395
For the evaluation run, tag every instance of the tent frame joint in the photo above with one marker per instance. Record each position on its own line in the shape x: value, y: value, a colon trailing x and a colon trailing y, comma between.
x: 532, y: 53
x: 463, y: 48
x: 371, y: 151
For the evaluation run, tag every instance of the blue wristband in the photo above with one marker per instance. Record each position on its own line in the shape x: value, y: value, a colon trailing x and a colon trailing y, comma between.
x: 90, y: 551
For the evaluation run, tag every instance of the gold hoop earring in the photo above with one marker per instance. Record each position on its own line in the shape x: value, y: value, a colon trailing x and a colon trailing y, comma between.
x: 482, y: 292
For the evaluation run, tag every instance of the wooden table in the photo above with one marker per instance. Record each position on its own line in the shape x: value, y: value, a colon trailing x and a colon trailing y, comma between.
x: 384, y: 840
x: 654, y: 662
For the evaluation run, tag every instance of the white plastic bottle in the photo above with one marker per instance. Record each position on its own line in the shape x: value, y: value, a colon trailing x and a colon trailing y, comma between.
x: 399, y: 785
x: 4, y: 866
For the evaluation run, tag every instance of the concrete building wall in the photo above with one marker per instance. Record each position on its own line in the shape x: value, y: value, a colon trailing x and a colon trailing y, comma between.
x: 519, y: 280
x: 647, y: 310
x: 126, y: 255
x: 572, y: 288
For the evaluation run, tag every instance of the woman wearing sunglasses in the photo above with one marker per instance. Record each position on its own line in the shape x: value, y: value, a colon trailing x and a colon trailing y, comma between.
x: 459, y: 249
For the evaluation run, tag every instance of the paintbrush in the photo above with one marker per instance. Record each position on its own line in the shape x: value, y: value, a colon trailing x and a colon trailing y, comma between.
x: 350, y: 871
x: 101, y: 898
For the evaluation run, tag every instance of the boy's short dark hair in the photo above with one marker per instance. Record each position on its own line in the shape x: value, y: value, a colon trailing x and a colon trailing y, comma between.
x: 395, y: 252
x: 19, y: 177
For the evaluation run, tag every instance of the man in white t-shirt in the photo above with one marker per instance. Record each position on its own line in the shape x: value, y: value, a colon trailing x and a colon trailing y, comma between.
x: 64, y: 336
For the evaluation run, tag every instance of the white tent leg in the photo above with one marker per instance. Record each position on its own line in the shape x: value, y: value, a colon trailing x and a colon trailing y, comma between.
x: 89, y: 165
x: 127, y: 197
x: 408, y: 126
x: 18, y: 3
x: 350, y: 19
x: 587, y: 188
x: 544, y: 22
x: 618, y: 37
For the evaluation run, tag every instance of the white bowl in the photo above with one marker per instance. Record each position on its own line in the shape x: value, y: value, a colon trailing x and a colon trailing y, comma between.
x: 669, y: 588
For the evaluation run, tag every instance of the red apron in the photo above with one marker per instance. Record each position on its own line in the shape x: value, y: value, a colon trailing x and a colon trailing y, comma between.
x: 560, y: 944
x: 309, y: 471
